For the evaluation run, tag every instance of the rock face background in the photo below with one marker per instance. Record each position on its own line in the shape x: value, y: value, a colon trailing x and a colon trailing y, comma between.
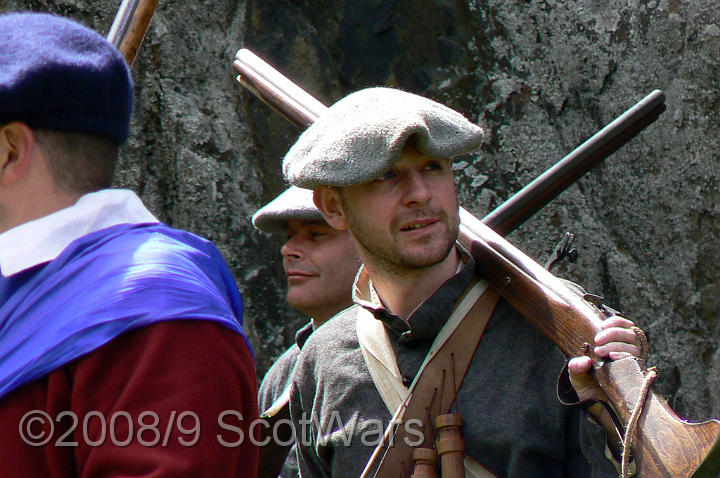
x: 541, y: 76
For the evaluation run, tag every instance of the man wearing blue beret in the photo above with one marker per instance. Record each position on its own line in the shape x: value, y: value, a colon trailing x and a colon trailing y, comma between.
x: 119, y: 336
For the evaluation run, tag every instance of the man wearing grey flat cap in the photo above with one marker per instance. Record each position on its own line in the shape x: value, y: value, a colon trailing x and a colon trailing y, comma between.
x: 120, y: 335
x: 320, y: 264
x: 379, y: 162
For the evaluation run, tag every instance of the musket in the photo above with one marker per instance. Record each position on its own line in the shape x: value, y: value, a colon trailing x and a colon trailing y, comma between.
x: 130, y: 25
x: 663, y: 444
x: 301, y: 109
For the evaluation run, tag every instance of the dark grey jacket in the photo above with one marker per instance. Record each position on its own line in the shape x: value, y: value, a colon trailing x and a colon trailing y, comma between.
x: 513, y: 422
x: 273, y: 385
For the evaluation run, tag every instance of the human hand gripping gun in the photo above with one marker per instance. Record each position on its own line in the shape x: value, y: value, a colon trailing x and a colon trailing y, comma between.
x: 662, y: 444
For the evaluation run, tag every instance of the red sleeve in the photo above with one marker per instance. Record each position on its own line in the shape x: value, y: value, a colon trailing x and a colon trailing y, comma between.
x: 166, y: 401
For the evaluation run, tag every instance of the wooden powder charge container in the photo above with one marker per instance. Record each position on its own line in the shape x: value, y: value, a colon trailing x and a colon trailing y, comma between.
x: 450, y: 445
x: 424, y: 463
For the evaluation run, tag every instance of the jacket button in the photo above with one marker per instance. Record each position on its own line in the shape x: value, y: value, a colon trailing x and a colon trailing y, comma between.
x: 406, y: 338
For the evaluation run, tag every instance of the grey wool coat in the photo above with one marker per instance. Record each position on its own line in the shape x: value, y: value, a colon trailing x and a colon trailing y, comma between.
x: 273, y: 385
x: 513, y: 422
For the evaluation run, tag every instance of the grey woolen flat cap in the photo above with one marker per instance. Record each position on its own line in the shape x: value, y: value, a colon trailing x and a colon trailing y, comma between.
x: 294, y: 203
x: 361, y: 136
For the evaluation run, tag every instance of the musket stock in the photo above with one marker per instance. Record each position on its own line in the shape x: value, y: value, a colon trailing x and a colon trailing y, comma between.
x: 664, y: 445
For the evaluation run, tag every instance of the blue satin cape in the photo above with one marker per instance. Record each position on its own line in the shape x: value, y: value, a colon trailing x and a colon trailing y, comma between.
x: 104, y: 284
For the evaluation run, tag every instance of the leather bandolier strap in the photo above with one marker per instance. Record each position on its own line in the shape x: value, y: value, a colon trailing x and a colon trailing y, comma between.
x: 434, y: 389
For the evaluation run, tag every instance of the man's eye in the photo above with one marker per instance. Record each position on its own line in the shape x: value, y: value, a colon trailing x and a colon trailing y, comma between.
x: 386, y: 176
x: 321, y: 232
x: 434, y: 166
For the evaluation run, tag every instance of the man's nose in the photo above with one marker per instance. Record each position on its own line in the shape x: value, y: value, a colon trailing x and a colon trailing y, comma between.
x: 417, y: 189
x: 292, y: 249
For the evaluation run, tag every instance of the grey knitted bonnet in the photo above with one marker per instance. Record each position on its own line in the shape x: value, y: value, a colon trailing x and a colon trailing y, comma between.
x: 362, y: 136
x: 294, y: 203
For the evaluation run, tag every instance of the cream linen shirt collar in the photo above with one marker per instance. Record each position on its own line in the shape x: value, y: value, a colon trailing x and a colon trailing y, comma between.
x: 42, y: 240
x: 365, y: 295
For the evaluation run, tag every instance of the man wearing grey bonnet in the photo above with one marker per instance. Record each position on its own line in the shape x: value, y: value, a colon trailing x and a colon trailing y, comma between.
x: 379, y: 164
x: 320, y: 264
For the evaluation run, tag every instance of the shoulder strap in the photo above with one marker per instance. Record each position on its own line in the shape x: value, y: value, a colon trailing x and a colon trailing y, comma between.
x: 380, y: 357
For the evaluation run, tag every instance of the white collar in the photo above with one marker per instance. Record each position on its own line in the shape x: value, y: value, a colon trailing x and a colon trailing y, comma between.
x: 42, y: 240
x: 365, y: 294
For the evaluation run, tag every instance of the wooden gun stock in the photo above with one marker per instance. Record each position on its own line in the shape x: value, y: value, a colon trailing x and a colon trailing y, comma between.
x: 664, y: 445
x: 130, y: 25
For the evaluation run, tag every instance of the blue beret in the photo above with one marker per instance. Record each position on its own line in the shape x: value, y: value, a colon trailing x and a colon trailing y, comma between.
x: 58, y: 74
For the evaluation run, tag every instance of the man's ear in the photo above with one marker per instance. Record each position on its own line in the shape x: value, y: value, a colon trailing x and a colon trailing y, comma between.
x: 327, y: 200
x: 17, y: 143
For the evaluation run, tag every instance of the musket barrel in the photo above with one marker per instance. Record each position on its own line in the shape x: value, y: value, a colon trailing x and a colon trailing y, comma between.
x: 302, y: 109
x: 130, y: 25
x: 516, y: 210
x: 121, y: 23
x: 275, y: 89
x: 294, y: 111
